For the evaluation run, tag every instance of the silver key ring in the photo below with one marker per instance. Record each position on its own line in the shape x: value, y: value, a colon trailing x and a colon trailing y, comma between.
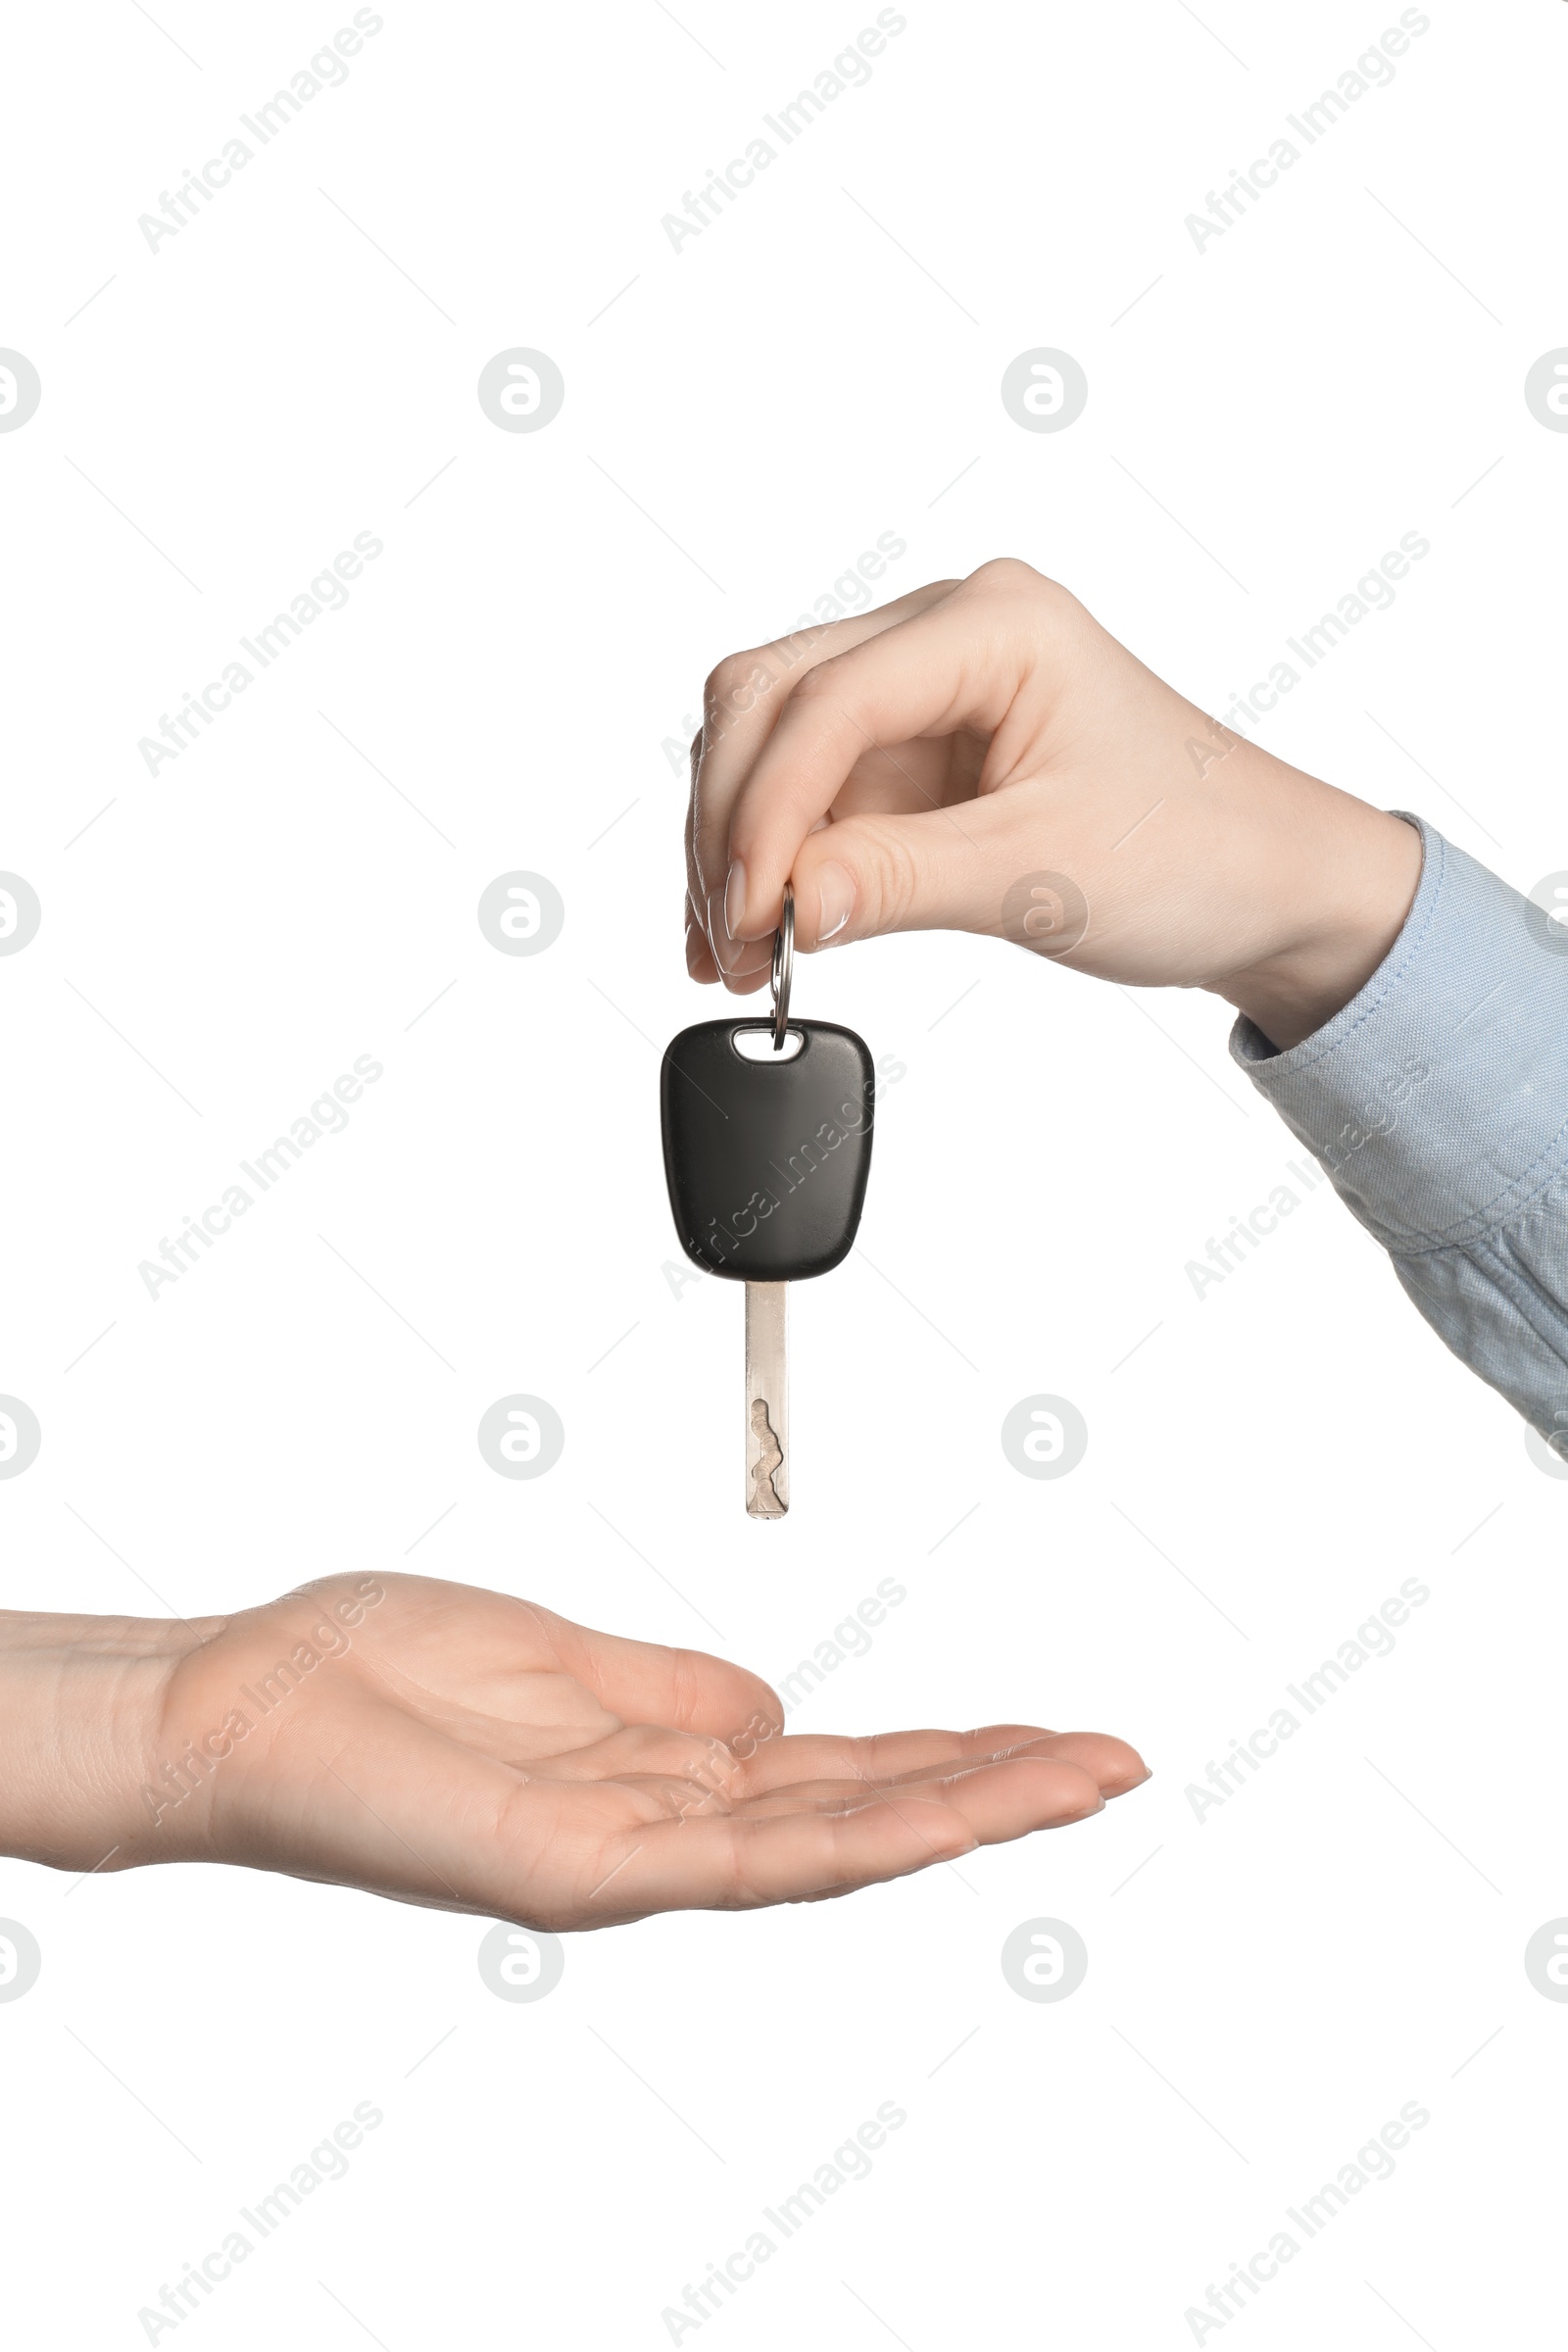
x: 783, y: 968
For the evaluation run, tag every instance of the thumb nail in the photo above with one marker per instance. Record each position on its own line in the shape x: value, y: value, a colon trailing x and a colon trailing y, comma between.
x: 734, y: 897
x: 835, y: 901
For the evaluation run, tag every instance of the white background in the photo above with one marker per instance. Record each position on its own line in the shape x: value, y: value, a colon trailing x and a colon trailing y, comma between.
x: 747, y: 416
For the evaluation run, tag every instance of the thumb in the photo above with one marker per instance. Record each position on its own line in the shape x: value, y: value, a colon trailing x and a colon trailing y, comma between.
x: 943, y: 870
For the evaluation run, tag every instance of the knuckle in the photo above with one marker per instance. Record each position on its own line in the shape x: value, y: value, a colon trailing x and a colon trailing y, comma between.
x: 886, y: 871
x: 1053, y: 597
x: 722, y: 679
x: 1012, y: 572
x: 1042, y: 603
x: 337, y: 1585
x: 824, y: 681
x: 706, y: 1765
x: 734, y: 686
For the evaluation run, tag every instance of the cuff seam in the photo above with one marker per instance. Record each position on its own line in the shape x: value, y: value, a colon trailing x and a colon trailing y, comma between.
x: 1525, y: 1297
x: 1479, y: 1229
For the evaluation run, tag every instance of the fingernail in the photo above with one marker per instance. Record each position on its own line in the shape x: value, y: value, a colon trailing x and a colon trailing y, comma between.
x: 696, y: 946
x: 835, y: 901
x: 726, y: 949
x: 735, y: 898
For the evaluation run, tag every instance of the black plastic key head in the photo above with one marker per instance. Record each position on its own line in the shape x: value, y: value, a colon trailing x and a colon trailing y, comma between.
x: 766, y: 1161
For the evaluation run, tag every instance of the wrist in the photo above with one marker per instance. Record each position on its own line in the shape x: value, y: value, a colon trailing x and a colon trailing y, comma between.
x: 1338, y: 879
x: 81, y: 1699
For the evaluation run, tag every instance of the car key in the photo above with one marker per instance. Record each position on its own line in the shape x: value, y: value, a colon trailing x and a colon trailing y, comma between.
x: 767, y: 1162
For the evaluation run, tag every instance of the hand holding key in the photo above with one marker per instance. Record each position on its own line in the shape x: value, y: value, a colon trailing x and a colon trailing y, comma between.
x: 906, y: 767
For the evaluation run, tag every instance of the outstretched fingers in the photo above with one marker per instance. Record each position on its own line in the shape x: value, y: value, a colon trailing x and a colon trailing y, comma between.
x: 829, y: 1836
x: 999, y: 1800
x: 900, y: 1758
x: 738, y: 1863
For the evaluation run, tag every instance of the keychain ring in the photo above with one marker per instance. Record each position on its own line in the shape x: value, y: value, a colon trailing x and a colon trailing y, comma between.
x: 783, y: 968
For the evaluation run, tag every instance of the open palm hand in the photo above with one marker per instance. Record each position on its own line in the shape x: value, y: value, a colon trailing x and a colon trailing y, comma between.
x: 458, y: 1748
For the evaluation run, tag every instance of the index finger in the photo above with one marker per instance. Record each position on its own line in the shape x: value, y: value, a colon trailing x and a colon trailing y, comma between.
x: 930, y: 674
x: 742, y: 700
x: 644, y: 1682
x: 891, y: 1758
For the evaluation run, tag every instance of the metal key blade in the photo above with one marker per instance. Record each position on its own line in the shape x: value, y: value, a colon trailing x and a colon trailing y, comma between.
x: 767, y: 1409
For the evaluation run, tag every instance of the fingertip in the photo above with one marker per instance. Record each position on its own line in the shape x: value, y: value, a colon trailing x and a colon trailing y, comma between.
x: 1069, y: 1790
x: 1131, y: 1775
x: 1115, y: 1766
x: 699, y: 955
x: 721, y: 947
x: 763, y: 1700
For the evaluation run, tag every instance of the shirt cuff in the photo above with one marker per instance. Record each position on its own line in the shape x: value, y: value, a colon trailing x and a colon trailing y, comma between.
x: 1436, y: 1100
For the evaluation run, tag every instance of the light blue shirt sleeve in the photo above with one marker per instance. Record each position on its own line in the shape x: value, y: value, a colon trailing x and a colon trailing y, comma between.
x: 1437, y: 1101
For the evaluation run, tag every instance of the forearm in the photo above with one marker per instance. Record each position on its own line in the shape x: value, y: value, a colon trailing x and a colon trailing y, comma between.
x: 1437, y: 1098
x: 80, y: 1702
x: 1326, y: 879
